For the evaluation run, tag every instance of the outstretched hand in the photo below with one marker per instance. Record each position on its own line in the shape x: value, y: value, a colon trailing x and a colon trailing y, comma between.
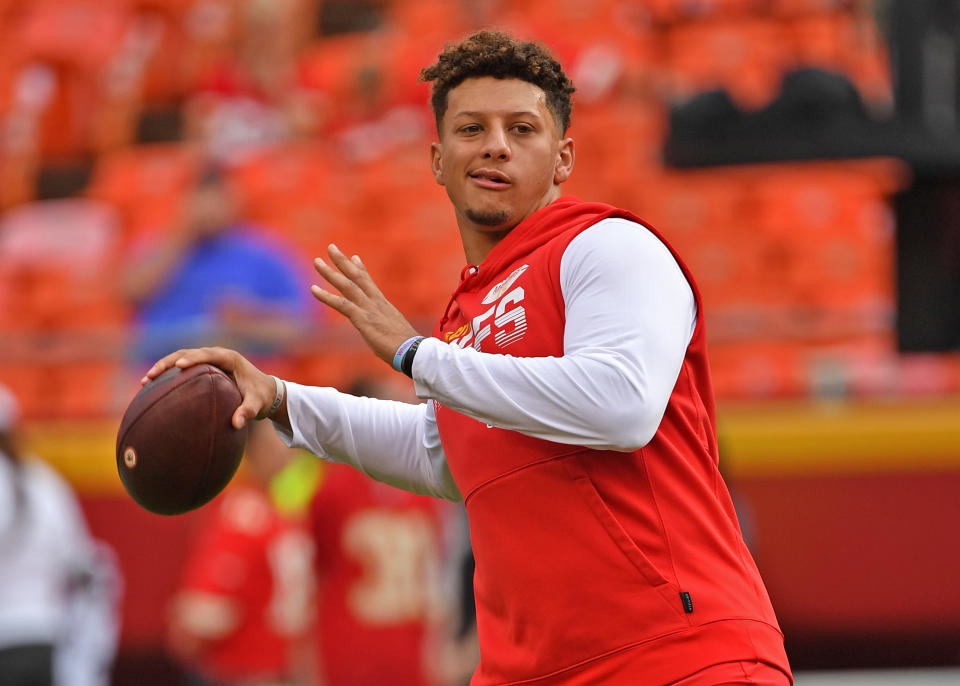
x: 382, y: 325
x: 257, y: 389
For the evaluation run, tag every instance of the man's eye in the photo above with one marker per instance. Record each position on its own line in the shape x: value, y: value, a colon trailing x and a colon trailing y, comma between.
x: 470, y: 128
x: 523, y: 128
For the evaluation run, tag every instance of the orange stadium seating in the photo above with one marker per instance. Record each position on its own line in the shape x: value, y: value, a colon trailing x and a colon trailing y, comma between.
x: 846, y: 43
x: 798, y: 255
x: 746, y: 57
x: 832, y: 229
x: 759, y: 368
x: 62, y: 307
x: 145, y: 183
x: 291, y: 189
x: 794, y: 8
x: 178, y: 41
x: 620, y: 142
x: 680, y: 10
x: 83, y: 102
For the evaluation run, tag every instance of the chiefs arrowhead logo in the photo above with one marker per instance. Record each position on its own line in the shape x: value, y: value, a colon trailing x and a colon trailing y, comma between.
x: 497, y: 291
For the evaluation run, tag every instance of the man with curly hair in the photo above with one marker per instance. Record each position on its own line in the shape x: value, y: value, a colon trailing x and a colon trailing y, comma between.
x: 569, y: 406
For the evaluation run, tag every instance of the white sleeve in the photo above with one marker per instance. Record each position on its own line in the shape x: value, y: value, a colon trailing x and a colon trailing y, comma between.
x: 394, y: 442
x: 630, y: 315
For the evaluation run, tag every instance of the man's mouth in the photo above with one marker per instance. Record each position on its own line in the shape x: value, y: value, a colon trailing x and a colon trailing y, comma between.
x: 489, y: 178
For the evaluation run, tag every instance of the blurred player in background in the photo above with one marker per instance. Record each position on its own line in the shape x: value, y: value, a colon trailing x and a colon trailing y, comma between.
x: 571, y: 408
x: 59, y: 588
x: 461, y: 652
x: 244, y: 605
x: 379, y: 554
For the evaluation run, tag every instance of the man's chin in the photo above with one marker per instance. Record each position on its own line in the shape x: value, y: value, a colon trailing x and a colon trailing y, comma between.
x: 491, y: 218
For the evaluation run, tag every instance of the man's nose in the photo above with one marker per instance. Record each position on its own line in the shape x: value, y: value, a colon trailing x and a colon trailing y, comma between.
x: 496, y: 145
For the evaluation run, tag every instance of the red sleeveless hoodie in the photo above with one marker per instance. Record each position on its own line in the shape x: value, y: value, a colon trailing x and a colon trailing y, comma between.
x: 593, y: 566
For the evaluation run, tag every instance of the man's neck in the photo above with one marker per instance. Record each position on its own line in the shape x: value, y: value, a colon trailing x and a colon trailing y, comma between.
x: 478, y: 243
x: 478, y: 240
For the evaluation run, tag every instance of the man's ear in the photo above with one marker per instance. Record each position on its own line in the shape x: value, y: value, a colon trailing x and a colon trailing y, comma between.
x: 566, y: 156
x: 436, y: 161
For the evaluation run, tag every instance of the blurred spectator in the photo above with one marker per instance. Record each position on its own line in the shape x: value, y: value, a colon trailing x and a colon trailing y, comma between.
x: 360, y: 96
x: 244, y: 602
x: 250, y: 100
x: 91, y: 630
x: 215, y: 280
x: 59, y: 590
x: 379, y: 559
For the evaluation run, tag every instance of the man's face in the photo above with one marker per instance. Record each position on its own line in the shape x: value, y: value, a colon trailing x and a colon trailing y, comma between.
x: 500, y: 155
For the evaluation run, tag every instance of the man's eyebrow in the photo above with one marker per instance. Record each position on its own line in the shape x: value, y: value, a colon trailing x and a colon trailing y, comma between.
x: 519, y: 113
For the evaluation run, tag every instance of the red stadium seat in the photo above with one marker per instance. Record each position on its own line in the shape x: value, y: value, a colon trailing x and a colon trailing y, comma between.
x: 289, y: 189
x: 824, y: 39
x: 432, y: 22
x: 746, y: 57
x: 178, y: 41
x: 793, y: 8
x: 349, y: 70
x: 689, y: 206
x: 145, y: 183
x: 830, y: 231
x: 618, y: 146
x: 86, y: 104
x: 845, y: 42
x: 675, y: 11
x: 64, y: 321
x: 62, y: 252
x: 90, y: 388
x: 27, y: 382
x: 759, y: 368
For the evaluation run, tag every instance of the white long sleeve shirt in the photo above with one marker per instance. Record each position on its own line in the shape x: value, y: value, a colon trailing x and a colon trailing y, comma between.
x: 630, y: 314
x: 42, y: 548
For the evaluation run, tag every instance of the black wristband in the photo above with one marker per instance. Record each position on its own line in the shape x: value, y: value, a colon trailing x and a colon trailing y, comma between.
x: 406, y: 364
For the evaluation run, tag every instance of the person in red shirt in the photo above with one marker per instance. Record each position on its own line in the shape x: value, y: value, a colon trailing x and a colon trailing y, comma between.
x: 569, y: 406
x: 244, y: 604
x: 379, y: 557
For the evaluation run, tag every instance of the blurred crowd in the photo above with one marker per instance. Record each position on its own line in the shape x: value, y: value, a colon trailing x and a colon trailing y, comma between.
x: 305, y: 123
x: 169, y: 168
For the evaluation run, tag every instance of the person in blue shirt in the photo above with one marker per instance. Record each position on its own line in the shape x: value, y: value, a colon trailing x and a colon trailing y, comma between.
x: 215, y: 280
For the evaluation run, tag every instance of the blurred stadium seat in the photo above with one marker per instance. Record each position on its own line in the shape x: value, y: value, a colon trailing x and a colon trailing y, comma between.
x: 176, y: 42
x: 833, y: 230
x: 795, y: 8
x: 846, y: 43
x: 145, y: 183
x: 290, y: 189
x: 680, y: 10
x: 64, y: 309
x: 746, y: 57
x: 69, y: 75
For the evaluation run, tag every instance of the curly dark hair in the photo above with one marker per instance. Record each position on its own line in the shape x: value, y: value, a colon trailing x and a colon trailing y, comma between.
x: 496, y: 54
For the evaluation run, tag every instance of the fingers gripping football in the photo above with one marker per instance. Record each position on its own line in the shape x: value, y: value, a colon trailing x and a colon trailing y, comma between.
x: 257, y: 388
x: 360, y: 300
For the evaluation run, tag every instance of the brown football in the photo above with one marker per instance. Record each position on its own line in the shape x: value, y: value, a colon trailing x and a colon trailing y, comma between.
x: 176, y: 447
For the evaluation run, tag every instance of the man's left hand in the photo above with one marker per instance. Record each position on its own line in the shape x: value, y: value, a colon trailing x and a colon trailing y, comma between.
x: 382, y: 325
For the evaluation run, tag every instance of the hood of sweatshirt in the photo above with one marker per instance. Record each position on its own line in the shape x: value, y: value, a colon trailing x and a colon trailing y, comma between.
x: 563, y: 214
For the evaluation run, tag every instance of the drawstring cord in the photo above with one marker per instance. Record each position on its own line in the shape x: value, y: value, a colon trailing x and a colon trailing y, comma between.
x: 467, y: 273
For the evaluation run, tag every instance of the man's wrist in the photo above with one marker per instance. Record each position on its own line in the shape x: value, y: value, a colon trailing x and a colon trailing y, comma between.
x: 406, y: 366
x: 403, y: 358
x: 403, y: 351
x: 280, y: 395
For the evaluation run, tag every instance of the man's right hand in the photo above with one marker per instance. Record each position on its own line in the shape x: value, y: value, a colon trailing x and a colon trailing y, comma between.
x: 257, y: 389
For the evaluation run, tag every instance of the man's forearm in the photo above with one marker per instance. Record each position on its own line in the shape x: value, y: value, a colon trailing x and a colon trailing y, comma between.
x: 385, y: 439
